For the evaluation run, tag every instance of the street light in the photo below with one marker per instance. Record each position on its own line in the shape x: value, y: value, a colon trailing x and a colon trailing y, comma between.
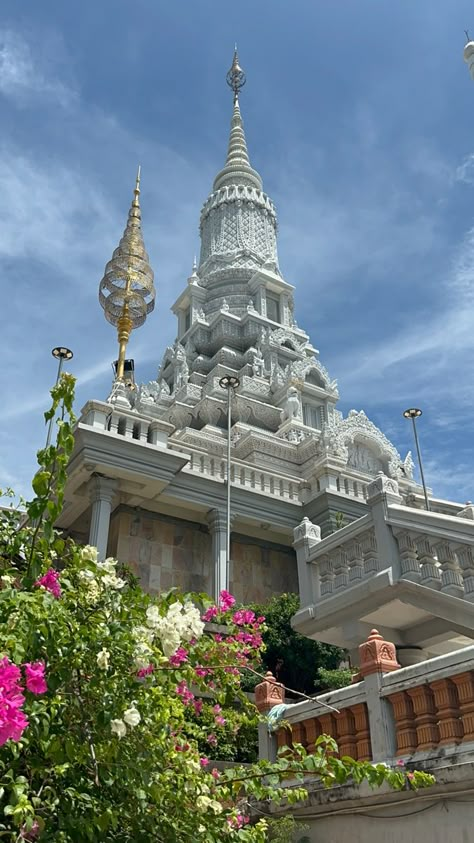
x: 61, y: 354
x: 230, y: 383
x: 414, y: 413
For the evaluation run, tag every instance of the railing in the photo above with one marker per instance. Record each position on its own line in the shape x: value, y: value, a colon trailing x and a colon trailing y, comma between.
x: 423, y: 711
x: 264, y: 482
x: 122, y: 422
x: 432, y: 549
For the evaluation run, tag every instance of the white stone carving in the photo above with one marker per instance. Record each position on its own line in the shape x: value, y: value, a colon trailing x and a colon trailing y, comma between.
x: 292, y: 405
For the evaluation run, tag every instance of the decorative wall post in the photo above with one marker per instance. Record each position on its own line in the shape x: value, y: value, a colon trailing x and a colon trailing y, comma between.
x: 382, y: 492
x: 306, y: 535
x: 268, y: 694
x: 101, y: 492
x: 377, y: 657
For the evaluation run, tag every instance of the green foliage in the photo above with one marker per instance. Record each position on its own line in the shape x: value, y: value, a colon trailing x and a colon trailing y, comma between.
x: 330, y: 680
x: 109, y: 755
x: 286, y: 830
x: 292, y: 658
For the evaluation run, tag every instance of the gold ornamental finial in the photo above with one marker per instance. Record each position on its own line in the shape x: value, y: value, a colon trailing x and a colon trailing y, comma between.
x: 126, y: 291
x: 136, y: 192
x: 236, y: 78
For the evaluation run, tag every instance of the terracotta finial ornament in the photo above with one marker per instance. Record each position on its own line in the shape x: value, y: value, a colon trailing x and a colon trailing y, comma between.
x: 268, y: 693
x: 377, y: 655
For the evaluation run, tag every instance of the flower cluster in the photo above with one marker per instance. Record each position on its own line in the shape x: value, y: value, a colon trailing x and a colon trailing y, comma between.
x: 131, y: 718
x: 50, y: 582
x: 13, y: 720
x: 182, y: 622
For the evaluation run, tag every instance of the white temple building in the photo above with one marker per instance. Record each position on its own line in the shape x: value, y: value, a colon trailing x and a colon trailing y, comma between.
x: 147, y: 480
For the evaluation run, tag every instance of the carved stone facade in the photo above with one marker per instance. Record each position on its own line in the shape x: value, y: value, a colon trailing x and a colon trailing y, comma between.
x: 293, y: 453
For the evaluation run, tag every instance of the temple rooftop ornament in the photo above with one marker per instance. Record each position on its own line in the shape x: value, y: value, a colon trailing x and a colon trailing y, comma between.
x: 126, y: 291
x: 236, y: 78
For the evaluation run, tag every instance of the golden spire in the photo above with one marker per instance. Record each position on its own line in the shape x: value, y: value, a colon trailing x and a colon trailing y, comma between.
x: 126, y: 291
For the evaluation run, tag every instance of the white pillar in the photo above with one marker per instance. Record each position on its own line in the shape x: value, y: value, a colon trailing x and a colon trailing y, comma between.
x: 101, y: 492
x: 217, y: 527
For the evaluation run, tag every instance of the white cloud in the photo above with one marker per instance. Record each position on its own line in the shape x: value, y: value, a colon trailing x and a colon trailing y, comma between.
x: 23, y: 75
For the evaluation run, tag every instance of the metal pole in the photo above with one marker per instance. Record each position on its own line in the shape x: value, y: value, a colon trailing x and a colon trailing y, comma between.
x: 61, y: 354
x: 414, y: 413
x: 230, y: 383
x: 420, y: 463
x: 229, y: 427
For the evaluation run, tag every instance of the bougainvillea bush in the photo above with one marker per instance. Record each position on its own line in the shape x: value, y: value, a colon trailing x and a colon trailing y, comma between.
x: 100, y: 731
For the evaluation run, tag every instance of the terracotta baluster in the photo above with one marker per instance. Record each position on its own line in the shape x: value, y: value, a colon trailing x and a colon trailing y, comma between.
x: 346, y: 733
x: 298, y: 734
x: 426, y: 719
x: 362, y: 729
x: 464, y: 683
x: 328, y: 725
x: 312, y: 730
x: 404, y: 717
x: 447, y: 706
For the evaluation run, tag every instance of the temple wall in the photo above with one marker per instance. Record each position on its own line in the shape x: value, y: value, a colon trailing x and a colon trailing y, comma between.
x: 164, y: 552
x: 261, y: 569
x: 167, y: 552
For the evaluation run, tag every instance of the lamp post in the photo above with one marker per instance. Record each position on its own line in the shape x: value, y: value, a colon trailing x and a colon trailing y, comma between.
x: 230, y: 383
x: 60, y: 353
x: 415, y: 413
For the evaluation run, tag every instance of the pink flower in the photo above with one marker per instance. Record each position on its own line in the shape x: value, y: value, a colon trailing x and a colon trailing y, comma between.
x: 183, y: 691
x: 261, y: 619
x: 50, y: 581
x: 180, y: 656
x: 201, y: 671
x: 219, y: 720
x: 145, y: 671
x: 13, y: 720
x: 215, y: 774
x: 209, y: 614
x: 32, y: 834
x: 217, y: 709
x: 204, y: 762
x: 400, y: 762
x: 197, y: 704
x: 211, y: 739
x: 226, y: 601
x: 243, y: 617
x: 10, y: 675
x: 35, y: 681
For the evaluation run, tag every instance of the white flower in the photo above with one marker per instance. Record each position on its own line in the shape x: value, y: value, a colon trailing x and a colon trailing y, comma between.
x: 89, y: 553
x: 7, y: 580
x: 142, y: 655
x: 153, y: 616
x: 103, y: 659
x: 108, y: 566
x: 112, y: 581
x: 118, y: 727
x: 195, y: 626
x: 132, y: 716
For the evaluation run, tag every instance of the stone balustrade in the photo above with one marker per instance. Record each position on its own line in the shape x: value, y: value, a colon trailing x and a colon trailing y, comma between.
x: 424, y: 560
x: 266, y: 482
x: 126, y: 423
x: 423, y: 712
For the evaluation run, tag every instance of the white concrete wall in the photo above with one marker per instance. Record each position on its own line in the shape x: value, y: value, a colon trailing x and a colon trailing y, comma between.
x: 440, y: 820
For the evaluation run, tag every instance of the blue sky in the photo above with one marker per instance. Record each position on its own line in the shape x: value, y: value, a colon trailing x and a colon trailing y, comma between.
x: 358, y: 115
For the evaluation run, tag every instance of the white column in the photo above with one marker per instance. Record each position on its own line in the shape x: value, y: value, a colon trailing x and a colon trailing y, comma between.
x: 101, y: 492
x: 217, y: 527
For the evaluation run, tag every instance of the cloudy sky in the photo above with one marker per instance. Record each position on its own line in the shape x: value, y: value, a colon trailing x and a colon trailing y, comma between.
x: 359, y: 116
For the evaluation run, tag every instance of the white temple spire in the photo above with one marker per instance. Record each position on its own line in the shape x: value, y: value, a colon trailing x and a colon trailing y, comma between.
x: 237, y: 168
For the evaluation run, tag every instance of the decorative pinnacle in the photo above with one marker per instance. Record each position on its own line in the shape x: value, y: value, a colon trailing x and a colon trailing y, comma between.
x: 126, y: 291
x: 136, y: 191
x: 236, y: 78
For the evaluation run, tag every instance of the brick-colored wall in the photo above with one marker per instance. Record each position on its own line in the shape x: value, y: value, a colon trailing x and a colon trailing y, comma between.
x: 167, y: 552
x: 260, y: 569
x: 164, y: 552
